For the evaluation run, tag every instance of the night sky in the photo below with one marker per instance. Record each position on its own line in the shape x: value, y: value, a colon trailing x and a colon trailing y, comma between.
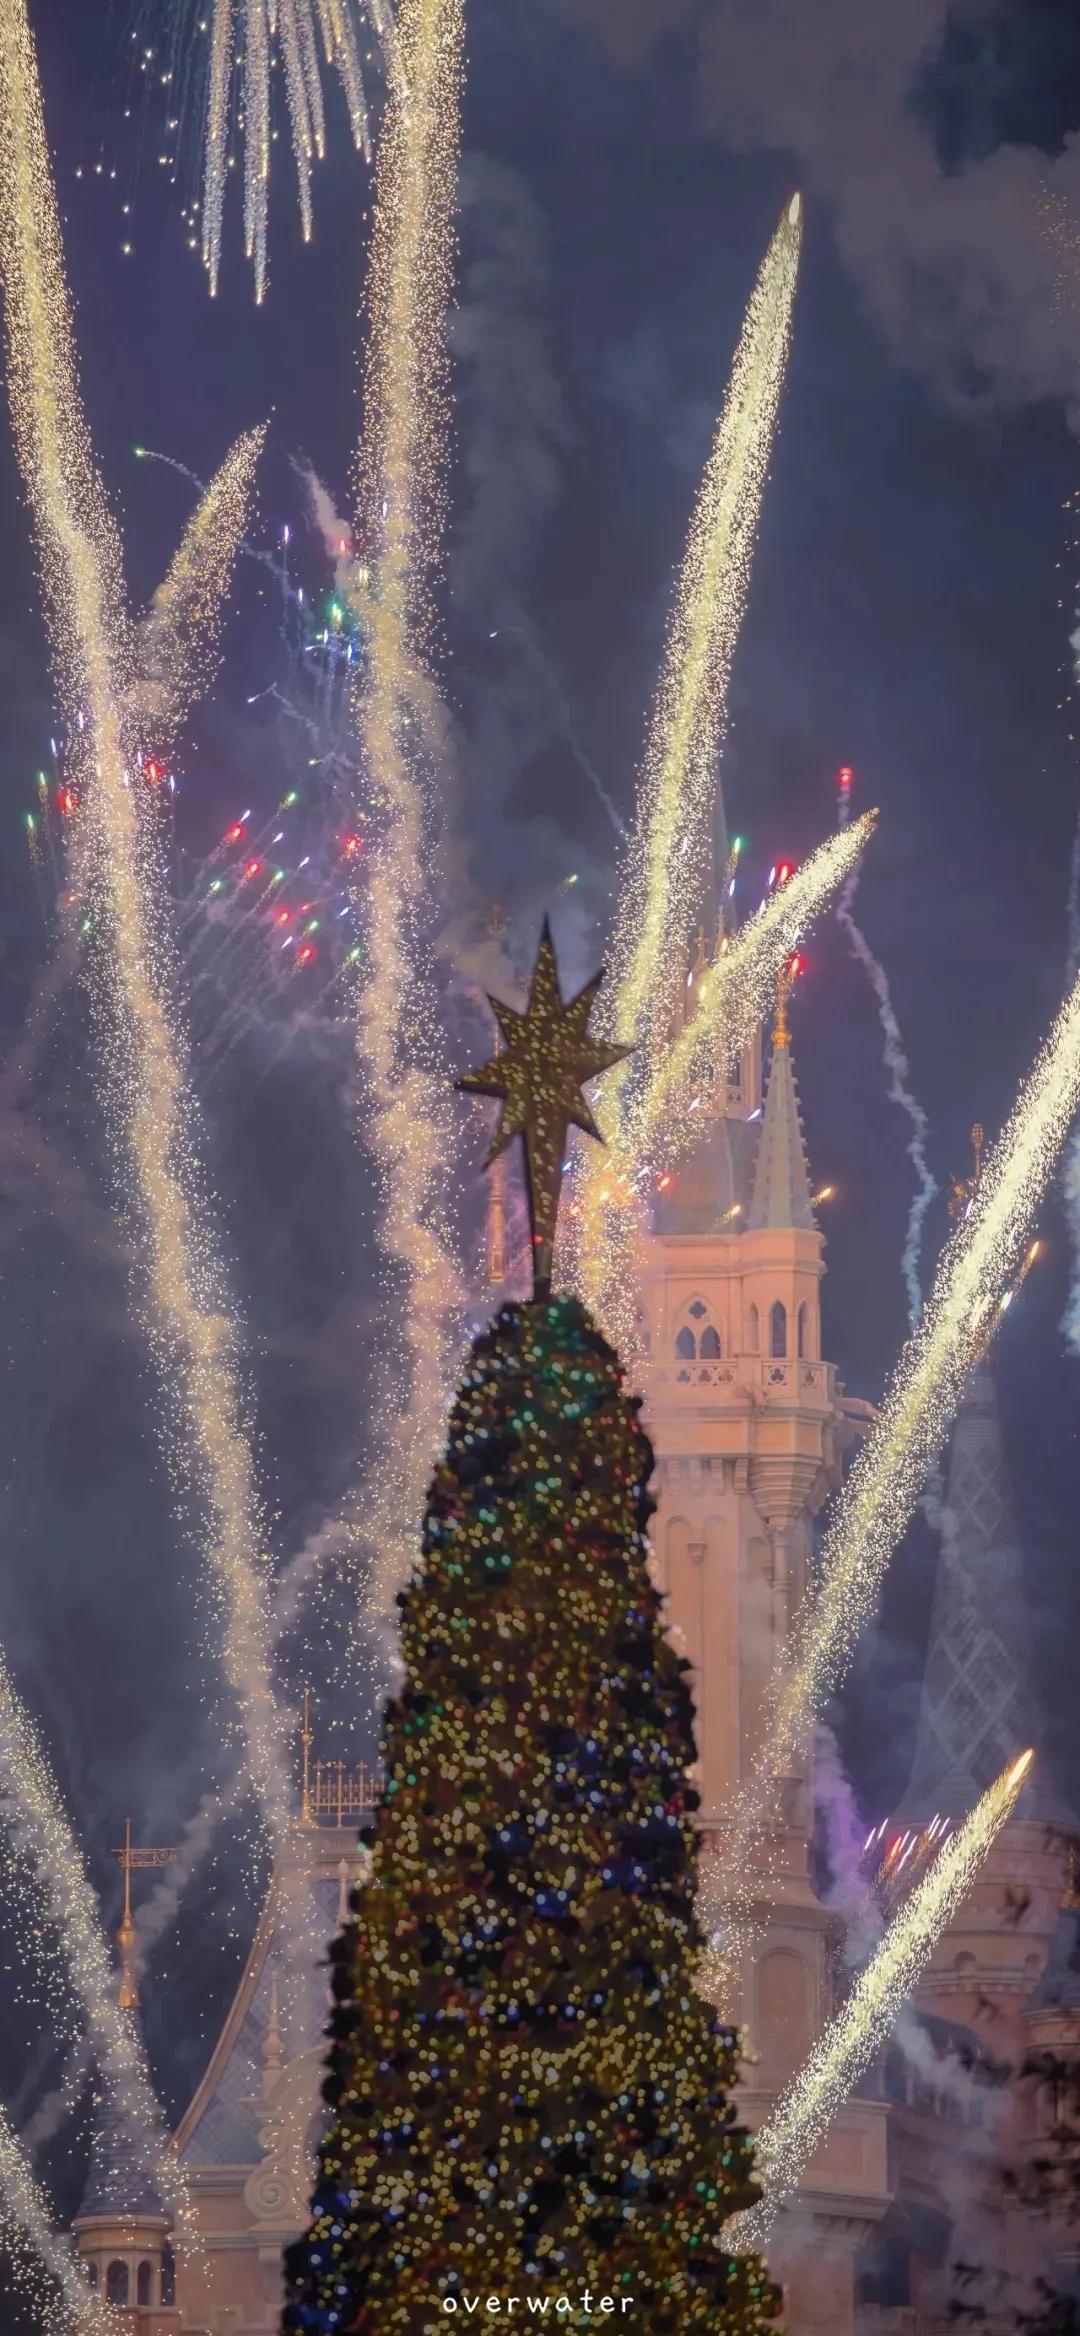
x: 625, y: 163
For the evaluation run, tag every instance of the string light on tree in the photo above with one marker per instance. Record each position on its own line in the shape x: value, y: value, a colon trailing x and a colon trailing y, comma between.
x: 528, y: 2095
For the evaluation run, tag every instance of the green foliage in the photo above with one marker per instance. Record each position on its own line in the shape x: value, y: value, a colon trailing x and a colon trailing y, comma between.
x: 529, y: 2093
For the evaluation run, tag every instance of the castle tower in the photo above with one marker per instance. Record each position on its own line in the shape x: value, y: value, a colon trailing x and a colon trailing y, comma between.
x: 248, y: 2139
x: 999, y: 1972
x: 749, y: 1426
x: 978, y: 1711
x: 122, y: 2233
x: 122, y: 2230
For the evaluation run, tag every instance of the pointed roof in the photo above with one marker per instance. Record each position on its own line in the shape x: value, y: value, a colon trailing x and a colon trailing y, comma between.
x: 221, y: 2125
x: 710, y: 1190
x: 978, y: 1705
x: 118, y: 2180
x: 781, y: 1194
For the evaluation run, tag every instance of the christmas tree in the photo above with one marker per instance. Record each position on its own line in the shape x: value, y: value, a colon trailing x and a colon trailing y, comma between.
x: 528, y: 2094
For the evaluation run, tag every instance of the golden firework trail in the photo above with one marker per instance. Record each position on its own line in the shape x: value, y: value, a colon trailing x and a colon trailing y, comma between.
x: 246, y: 39
x: 37, y: 1821
x: 187, y: 1319
x: 174, y: 650
x: 661, y: 888
x: 735, y: 992
x: 659, y: 1123
x: 804, y: 2112
x: 881, y: 1490
x: 399, y: 494
x: 26, y: 2216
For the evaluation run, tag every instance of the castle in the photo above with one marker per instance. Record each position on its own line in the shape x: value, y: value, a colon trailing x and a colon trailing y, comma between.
x: 750, y: 1425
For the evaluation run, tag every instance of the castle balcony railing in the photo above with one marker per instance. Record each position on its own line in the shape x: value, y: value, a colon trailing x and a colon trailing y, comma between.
x: 757, y: 1379
x: 340, y: 1791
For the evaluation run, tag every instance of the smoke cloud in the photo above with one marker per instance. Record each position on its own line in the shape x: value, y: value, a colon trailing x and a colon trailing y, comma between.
x: 958, y: 257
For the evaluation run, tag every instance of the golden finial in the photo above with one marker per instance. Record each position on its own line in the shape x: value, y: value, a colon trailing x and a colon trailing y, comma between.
x: 781, y: 1026
x: 125, y: 1937
x: 548, y: 1057
x: 132, y: 1861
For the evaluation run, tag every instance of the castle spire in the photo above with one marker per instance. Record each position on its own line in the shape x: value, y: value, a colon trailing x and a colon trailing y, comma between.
x: 978, y: 1705
x: 781, y: 1195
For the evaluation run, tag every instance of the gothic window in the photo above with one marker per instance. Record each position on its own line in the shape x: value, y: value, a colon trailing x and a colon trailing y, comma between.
x: 686, y: 1345
x: 778, y: 1329
x: 698, y: 1309
x: 710, y: 1344
x: 143, y: 2289
x: 803, y: 1332
x: 116, y: 2283
x: 753, y: 1331
x: 168, y: 2276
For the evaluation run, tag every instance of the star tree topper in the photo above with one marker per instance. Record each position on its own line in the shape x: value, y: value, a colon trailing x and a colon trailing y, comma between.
x: 549, y: 1057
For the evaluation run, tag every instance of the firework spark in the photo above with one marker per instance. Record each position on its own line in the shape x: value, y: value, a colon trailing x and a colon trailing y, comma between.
x: 131, y: 970
x: 26, y: 2217
x: 661, y: 889
x: 174, y: 648
x: 734, y: 993
x: 806, y: 2109
x: 80, y: 562
x: 247, y: 36
x: 409, y: 1125
x: 658, y: 1123
x: 36, y: 1819
x: 882, y: 1488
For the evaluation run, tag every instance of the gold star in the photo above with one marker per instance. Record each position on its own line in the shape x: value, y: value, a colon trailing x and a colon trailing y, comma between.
x: 549, y: 1058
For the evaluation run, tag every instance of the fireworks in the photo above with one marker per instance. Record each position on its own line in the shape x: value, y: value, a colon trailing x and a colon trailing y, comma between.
x: 187, y: 1322
x: 80, y: 560
x: 661, y: 889
x: 408, y: 1122
x: 26, y: 2216
x: 733, y: 994
x: 804, y: 2112
x: 248, y: 35
x: 881, y: 1490
x: 659, y: 1123
x: 35, y: 1816
x: 895, y: 1866
x: 174, y: 650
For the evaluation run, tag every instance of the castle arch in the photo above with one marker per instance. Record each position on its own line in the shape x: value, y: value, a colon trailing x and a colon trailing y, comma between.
x: 778, y: 1328
x: 144, y: 2294
x: 117, y: 2282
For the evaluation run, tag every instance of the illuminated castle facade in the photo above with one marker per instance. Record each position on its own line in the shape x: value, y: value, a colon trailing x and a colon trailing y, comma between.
x: 750, y: 1425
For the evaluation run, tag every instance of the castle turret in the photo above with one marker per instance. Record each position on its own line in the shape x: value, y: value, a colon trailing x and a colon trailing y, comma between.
x: 123, y: 2233
x: 1001, y: 1967
x: 749, y: 1427
x: 978, y: 1709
